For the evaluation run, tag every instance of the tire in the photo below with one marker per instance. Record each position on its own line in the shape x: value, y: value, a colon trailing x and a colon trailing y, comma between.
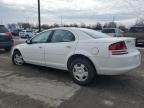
x: 85, y: 75
x: 8, y: 49
x: 17, y: 58
x: 27, y: 36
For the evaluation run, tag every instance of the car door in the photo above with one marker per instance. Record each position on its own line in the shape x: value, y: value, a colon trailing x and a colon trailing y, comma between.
x: 34, y: 52
x: 63, y: 43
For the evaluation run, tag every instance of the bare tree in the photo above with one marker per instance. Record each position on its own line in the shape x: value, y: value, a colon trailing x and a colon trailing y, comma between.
x: 83, y: 25
x: 11, y: 26
x: 140, y: 22
x: 97, y: 26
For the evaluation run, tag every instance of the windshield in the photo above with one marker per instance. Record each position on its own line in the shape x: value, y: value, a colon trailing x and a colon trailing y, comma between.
x: 94, y: 34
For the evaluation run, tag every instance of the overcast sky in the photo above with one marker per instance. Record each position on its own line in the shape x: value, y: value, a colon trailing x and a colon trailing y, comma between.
x: 72, y: 11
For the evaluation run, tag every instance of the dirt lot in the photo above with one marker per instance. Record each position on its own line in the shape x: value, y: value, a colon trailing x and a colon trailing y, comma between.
x: 31, y: 86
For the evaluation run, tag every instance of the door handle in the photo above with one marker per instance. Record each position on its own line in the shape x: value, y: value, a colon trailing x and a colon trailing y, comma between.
x: 39, y: 47
x: 68, y: 46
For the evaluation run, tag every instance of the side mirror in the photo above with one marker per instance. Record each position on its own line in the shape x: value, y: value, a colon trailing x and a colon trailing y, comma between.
x: 28, y: 41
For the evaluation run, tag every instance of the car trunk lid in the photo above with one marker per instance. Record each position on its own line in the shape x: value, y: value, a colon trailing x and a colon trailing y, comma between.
x: 130, y: 43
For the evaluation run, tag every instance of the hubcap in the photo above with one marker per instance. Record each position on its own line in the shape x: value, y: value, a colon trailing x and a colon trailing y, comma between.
x: 80, y: 72
x: 18, y: 59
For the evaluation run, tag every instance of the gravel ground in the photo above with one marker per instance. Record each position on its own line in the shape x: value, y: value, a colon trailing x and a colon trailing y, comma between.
x: 31, y: 86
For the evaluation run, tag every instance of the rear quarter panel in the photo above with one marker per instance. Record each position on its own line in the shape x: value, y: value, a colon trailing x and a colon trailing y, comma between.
x: 94, y: 49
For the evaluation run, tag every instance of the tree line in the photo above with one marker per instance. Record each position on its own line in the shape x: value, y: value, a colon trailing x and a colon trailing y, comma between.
x: 97, y: 26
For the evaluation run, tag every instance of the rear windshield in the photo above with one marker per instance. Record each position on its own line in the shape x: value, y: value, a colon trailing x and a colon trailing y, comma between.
x: 108, y: 31
x: 94, y: 34
x: 1, y: 25
x: 3, y: 29
x: 136, y: 29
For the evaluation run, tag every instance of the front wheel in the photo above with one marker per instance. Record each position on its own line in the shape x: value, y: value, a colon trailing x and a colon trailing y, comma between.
x: 82, y: 71
x: 17, y: 58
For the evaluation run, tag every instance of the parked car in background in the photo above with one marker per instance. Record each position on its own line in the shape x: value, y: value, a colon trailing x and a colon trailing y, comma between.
x: 114, y: 32
x: 138, y: 33
x: 83, y: 52
x: 16, y: 32
x: 26, y: 34
x: 6, y: 41
x: 136, y: 29
x: 36, y: 32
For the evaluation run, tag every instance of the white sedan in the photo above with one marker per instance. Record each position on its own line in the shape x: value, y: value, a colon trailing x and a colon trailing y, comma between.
x: 26, y: 34
x: 83, y: 52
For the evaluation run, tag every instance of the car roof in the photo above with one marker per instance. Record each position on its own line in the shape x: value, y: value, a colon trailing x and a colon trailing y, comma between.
x: 67, y: 28
x: 109, y: 28
x: 61, y: 28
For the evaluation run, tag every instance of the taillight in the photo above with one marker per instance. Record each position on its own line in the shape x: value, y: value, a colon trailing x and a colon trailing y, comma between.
x: 118, y: 48
x: 8, y: 34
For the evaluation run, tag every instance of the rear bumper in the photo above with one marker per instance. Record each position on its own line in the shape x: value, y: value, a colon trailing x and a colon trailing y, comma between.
x: 118, y: 64
x: 8, y: 44
x: 118, y: 71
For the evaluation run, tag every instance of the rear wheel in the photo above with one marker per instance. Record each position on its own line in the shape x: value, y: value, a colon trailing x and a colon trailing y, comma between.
x: 17, y: 58
x: 82, y: 71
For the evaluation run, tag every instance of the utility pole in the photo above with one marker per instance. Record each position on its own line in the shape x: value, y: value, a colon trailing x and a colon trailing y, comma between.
x: 1, y: 21
x: 113, y: 19
x: 137, y: 21
x: 39, y: 18
x: 27, y: 19
x: 61, y: 21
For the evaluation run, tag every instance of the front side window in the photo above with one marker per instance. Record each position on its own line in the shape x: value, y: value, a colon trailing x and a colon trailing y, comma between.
x: 29, y: 31
x: 62, y: 36
x: 42, y: 37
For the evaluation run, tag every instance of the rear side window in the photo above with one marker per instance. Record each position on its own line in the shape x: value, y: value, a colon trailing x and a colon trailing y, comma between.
x: 108, y: 31
x: 3, y: 29
x: 62, y: 36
